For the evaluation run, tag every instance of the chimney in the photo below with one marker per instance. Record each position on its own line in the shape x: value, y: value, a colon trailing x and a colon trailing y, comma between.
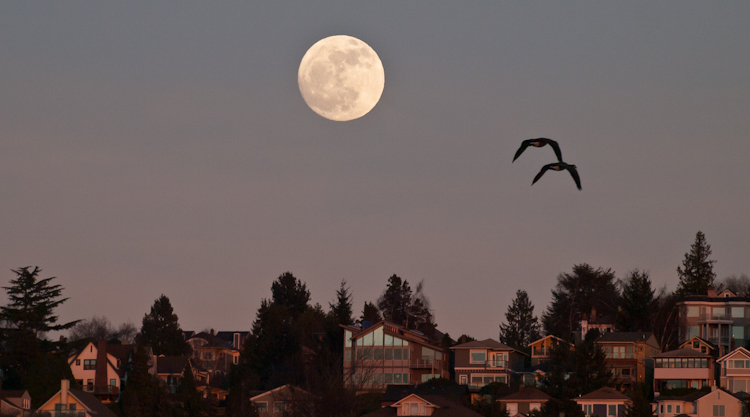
x: 712, y: 292
x: 64, y: 387
x: 212, y: 332
x: 100, y: 377
x: 593, y: 314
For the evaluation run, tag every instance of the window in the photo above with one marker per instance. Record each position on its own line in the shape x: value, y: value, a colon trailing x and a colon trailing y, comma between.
x: 388, y: 378
x: 262, y: 407
x: 236, y: 359
x: 738, y: 332
x: 626, y: 371
x: 406, y: 378
x: 693, y: 311
x: 422, y: 410
x: 414, y: 409
x: 397, y: 354
x: 72, y: 407
x: 89, y: 364
x: 669, y: 408
x: 738, y: 312
x: 80, y: 382
x: 78, y: 362
x: 279, y: 407
x: 677, y: 409
x: 696, y: 344
x: 718, y: 411
x: 588, y: 409
x: 611, y: 410
x: 396, y: 378
x: 463, y: 380
x: 478, y: 357
x: 388, y: 353
x: 113, y: 382
x: 378, y: 354
x: 405, y: 409
x: 347, y: 338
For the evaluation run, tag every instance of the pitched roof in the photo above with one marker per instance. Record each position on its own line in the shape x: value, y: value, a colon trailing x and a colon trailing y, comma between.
x: 445, y: 408
x: 686, y: 398
x: 394, y: 393
x: 171, y: 364
x: 487, y: 343
x: 526, y: 394
x: 706, y: 342
x: 604, y: 393
x: 92, y: 403
x: 683, y: 353
x: 739, y: 350
x: 624, y: 337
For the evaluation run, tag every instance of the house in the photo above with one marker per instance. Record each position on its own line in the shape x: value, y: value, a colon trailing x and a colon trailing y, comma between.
x: 700, y: 345
x: 394, y: 393
x: 720, y: 318
x: 235, y: 339
x: 601, y: 323
x: 540, y: 348
x: 716, y: 402
x: 526, y: 400
x: 282, y: 400
x: 683, y: 368
x: 603, y: 402
x: 424, y: 405
x: 481, y: 362
x: 735, y: 370
x: 212, y: 354
x: 100, y: 367
x: 73, y: 402
x: 15, y: 403
x: 386, y: 353
x: 628, y: 354
x: 672, y: 406
x: 170, y: 369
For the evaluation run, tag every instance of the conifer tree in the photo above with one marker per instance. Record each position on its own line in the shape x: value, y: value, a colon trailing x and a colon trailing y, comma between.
x: 161, y: 330
x: 190, y: 402
x: 341, y: 312
x: 641, y: 406
x: 370, y: 313
x: 521, y: 327
x: 591, y: 373
x: 697, y: 272
x: 637, y: 306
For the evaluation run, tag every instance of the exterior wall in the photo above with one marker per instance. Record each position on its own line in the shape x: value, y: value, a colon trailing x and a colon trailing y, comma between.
x: 498, y: 371
x: 721, y: 322
x: 672, y: 408
x: 601, y: 407
x: 379, y: 357
x: 84, y: 375
x: 693, y: 377
x: 732, y: 406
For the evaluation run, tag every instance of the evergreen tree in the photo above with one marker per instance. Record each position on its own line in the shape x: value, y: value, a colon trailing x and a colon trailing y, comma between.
x: 697, y: 272
x: 576, y: 296
x: 28, y: 316
x: 406, y: 308
x: 555, y: 380
x: 341, y: 312
x: 190, y: 402
x: 590, y: 373
x: 161, y: 330
x: 641, y: 406
x: 637, y: 306
x: 522, y: 326
x: 143, y: 394
x: 370, y: 313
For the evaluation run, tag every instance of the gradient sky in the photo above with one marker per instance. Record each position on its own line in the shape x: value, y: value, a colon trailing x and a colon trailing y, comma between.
x: 165, y: 148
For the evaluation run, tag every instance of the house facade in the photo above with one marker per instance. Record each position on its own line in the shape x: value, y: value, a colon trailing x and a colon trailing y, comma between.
x: 171, y: 369
x: 386, y: 353
x: 15, y: 403
x: 100, y: 367
x: 628, y: 355
x: 735, y: 370
x: 722, y: 319
x: 74, y: 403
x: 683, y: 368
x: 540, y: 348
x: 479, y: 363
x: 424, y: 405
x: 526, y: 400
x: 603, y: 402
x: 700, y: 345
x: 282, y: 401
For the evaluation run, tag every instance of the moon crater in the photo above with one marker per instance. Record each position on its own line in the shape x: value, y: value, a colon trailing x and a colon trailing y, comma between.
x: 341, y: 78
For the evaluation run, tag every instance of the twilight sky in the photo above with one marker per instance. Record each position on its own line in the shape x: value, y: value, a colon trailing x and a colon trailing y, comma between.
x: 165, y: 148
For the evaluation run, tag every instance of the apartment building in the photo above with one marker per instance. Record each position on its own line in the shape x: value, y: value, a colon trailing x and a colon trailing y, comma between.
x: 721, y: 318
x: 628, y: 355
x: 683, y: 368
x: 483, y: 362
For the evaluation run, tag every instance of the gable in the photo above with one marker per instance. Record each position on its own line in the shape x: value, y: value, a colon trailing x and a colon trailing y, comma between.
x: 738, y: 354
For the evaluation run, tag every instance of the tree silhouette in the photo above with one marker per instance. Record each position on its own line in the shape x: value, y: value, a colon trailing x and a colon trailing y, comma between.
x: 637, y: 306
x: 521, y: 327
x: 697, y: 272
x: 161, y: 330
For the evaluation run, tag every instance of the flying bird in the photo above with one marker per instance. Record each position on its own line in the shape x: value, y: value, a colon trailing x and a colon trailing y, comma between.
x: 538, y: 143
x: 559, y: 166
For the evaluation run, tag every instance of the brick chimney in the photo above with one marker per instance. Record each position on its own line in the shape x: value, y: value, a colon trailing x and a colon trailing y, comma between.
x: 712, y: 292
x: 100, y: 377
x: 64, y: 387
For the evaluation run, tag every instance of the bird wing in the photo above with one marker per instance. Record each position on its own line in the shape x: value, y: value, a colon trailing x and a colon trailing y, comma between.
x: 539, y: 175
x: 525, y: 144
x: 574, y: 174
x: 556, y: 148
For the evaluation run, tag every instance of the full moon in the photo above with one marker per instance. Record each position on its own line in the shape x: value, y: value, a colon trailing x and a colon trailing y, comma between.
x: 341, y: 78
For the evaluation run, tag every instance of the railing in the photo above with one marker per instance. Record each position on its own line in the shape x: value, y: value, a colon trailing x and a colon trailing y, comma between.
x: 426, y: 364
x: 497, y: 363
x: 719, y: 340
x: 715, y: 316
x: 540, y: 352
x: 101, y: 389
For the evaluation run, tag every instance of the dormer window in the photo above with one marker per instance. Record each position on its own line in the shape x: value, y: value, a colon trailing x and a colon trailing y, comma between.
x: 413, y: 409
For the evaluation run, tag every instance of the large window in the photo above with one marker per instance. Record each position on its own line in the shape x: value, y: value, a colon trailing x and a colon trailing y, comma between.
x: 718, y: 411
x: 478, y: 356
x: 738, y: 332
x: 262, y: 407
x: 681, y: 363
x: 89, y: 364
x: 693, y: 311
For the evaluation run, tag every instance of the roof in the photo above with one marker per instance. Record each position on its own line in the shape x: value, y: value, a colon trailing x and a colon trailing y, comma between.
x: 487, y: 343
x: 119, y: 351
x: 717, y: 299
x: 16, y: 393
x: 621, y: 337
x: 401, y: 331
x: 171, y: 364
x: 229, y: 336
x: 706, y: 342
x: 445, y: 408
x: 92, y: 403
x: 604, y: 393
x: 683, y: 353
x: 740, y: 349
x: 526, y: 394
x: 548, y: 337
x: 394, y: 393
x: 686, y: 398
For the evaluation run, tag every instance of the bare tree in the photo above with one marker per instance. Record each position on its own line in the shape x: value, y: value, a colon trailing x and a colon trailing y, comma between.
x: 739, y: 285
x: 101, y: 328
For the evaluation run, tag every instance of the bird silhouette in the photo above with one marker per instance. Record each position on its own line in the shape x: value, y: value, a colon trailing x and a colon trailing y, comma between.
x: 538, y: 143
x: 559, y: 166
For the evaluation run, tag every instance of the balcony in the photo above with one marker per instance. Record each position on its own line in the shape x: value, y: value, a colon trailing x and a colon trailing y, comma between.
x: 719, y: 340
x: 101, y: 389
x: 495, y: 364
x: 426, y: 364
x: 540, y: 352
x: 715, y: 318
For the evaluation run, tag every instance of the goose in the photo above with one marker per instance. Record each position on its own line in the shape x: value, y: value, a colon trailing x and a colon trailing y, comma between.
x: 559, y: 166
x: 538, y: 143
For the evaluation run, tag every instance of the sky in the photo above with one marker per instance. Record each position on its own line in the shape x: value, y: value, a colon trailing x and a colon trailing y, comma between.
x: 164, y: 148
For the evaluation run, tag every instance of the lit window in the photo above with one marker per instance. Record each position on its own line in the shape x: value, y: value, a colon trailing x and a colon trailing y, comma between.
x: 262, y: 407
